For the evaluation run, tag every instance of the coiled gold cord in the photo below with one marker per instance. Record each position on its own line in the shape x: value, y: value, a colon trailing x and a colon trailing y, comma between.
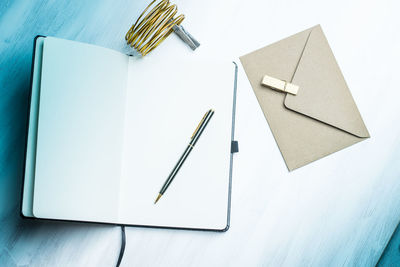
x: 156, y: 25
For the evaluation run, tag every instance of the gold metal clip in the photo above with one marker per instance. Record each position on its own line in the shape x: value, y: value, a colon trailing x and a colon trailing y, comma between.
x: 198, y: 126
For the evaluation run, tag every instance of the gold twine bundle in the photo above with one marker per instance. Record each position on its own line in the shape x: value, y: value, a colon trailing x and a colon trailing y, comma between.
x: 156, y: 25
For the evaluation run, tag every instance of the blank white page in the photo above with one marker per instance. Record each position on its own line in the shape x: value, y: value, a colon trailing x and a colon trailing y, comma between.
x: 165, y: 102
x: 29, y: 174
x: 80, y: 132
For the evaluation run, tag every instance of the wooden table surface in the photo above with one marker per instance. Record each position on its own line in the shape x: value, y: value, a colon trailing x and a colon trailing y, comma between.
x: 338, y: 211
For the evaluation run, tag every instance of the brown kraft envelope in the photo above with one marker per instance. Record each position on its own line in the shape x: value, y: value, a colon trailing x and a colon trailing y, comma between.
x: 323, y: 117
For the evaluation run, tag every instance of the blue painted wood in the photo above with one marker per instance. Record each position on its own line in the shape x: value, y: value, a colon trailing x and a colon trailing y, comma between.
x: 103, y: 23
x: 391, y: 254
x: 20, y: 21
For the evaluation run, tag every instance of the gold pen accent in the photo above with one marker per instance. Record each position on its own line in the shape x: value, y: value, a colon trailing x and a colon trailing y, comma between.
x: 198, y: 126
x: 158, y: 197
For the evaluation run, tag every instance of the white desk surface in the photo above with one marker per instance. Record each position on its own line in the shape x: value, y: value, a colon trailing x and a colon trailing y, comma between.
x: 338, y: 211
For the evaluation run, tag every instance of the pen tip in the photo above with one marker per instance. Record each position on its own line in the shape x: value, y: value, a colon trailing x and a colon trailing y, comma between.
x: 158, y: 197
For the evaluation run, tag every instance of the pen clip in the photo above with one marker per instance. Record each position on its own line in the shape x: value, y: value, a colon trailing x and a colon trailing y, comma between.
x: 198, y: 126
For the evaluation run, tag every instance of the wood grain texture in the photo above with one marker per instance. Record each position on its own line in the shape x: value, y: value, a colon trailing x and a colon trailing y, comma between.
x: 338, y: 211
x: 30, y: 243
x: 391, y: 254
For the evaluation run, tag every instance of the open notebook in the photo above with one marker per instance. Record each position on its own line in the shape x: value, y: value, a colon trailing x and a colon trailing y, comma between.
x: 106, y: 129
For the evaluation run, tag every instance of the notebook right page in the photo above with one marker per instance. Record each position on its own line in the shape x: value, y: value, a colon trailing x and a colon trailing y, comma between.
x: 165, y: 102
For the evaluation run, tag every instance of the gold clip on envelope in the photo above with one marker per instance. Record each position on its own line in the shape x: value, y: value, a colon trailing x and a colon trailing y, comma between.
x: 320, y: 116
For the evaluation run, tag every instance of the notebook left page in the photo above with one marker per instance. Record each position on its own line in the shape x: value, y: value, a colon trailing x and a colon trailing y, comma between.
x: 80, y: 129
x: 29, y: 176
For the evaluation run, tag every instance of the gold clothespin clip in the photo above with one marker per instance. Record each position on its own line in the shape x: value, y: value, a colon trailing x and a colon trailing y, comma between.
x: 280, y: 85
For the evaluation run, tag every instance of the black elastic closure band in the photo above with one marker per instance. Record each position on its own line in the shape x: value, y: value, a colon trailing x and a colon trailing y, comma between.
x: 123, y: 242
x: 234, y: 147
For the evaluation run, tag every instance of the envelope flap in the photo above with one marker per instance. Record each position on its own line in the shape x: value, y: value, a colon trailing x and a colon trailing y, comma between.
x: 323, y: 93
